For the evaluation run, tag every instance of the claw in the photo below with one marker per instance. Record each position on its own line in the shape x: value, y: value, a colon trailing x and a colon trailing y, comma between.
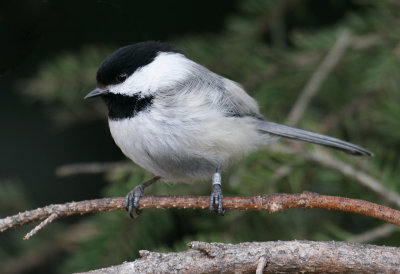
x: 133, y: 197
x: 138, y: 195
x: 128, y: 206
x: 216, y: 198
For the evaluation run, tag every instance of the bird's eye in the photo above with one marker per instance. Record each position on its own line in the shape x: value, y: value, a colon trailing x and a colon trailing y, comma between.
x: 121, y: 77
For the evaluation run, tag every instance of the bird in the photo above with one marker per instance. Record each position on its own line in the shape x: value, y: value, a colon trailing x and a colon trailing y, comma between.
x: 182, y: 122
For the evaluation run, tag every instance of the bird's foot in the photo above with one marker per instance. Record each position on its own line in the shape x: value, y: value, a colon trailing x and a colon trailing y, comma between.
x: 133, y: 198
x: 216, y: 196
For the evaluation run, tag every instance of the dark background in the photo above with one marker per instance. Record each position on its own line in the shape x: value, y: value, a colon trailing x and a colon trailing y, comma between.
x: 36, y: 31
x: 49, y: 53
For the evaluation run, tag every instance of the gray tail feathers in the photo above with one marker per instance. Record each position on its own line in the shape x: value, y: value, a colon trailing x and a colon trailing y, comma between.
x: 312, y: 137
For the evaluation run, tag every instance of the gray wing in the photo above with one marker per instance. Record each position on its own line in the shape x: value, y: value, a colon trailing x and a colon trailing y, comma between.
x: 239, y: 102
x: 221, y: 93
x: 234, y: 101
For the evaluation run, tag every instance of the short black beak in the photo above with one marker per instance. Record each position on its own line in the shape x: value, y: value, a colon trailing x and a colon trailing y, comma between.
x: 96, y: 92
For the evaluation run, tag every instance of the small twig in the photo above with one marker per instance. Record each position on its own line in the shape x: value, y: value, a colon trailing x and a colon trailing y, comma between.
x: 379, y: 232
x: 262, y: 262
x: 62, y: 210
x: 316, y: 80
x: 47, y: 221
x: 272, y: 203
x: 90, y: 168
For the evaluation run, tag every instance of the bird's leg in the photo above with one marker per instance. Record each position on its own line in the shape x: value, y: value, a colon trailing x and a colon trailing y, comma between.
x: 133, y: 197
x: 216, y: 193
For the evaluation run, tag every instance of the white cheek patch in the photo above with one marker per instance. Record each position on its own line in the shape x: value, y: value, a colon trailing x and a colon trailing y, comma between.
x: 167, y: 69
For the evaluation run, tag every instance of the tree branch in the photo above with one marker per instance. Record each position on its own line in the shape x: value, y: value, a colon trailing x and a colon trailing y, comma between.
x: 280, y: 256
x: 272, y: 203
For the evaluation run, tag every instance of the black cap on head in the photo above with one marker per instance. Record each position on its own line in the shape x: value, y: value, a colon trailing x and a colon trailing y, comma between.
x: 126, y: 60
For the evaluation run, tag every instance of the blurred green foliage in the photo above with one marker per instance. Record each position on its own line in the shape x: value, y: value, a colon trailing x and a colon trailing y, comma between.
x: 271, y: 48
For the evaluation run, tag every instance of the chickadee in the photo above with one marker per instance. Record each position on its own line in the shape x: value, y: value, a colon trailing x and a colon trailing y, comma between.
x: 182, y: 122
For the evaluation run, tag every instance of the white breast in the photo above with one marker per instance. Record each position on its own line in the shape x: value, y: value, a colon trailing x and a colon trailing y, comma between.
x: 182, y: 146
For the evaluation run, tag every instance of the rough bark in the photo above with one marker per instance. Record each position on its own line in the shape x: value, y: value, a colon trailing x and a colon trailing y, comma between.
x: 280, y: 256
